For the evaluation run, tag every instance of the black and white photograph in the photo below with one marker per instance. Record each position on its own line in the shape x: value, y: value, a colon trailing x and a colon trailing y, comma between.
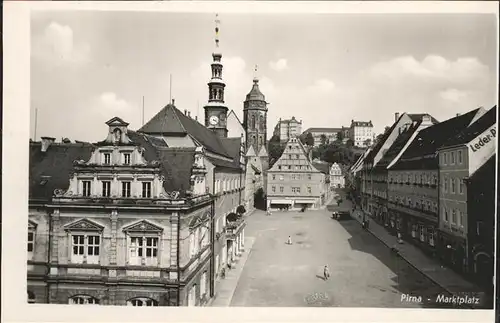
x: 220, y: 158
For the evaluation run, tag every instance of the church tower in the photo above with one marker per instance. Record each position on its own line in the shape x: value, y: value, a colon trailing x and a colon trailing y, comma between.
x: 255, y: 124
x: 215, y: 109
x: 255, y: 119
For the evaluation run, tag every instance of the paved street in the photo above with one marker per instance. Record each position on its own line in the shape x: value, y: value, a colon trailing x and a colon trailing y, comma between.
x: 364, y: 273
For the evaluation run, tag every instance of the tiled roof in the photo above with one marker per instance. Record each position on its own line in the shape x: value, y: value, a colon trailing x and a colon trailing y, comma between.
x: 421, y: 154
x: 322, y: 167
x: 51, y: 170
x: 171, y: 120
x: 223, y: 163
x: 374, y: 151
x: 176, y: 167
x: 233, y: 147
x: 327, y: 130
x: 475, y: 129
x: 398, y: 144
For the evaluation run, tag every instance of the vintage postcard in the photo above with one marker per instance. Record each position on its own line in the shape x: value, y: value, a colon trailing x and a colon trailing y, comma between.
x: 233, y: 156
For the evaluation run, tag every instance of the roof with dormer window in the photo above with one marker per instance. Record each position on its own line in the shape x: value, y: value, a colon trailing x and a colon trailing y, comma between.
x: 171, y: 121
x: 422, y: 152
x: 51, y: 170
x: 476, y: 128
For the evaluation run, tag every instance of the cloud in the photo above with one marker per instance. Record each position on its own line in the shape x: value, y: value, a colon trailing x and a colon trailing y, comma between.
x: 322, y: 85
x: 453, y: 95
x: 279, y: 65
x: 57, y: 44
x: 433, y: 70
x: 110, y: 101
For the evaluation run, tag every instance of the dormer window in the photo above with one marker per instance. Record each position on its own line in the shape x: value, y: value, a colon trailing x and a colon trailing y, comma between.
x: 106, y: 158
x: 86, y: 188
x: 126, y: 158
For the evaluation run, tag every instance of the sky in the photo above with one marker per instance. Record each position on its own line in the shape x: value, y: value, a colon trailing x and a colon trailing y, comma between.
x: 323, y: 69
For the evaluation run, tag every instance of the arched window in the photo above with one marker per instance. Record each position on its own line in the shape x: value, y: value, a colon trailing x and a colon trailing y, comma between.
x: 142, y: 301
x: 31, y: 297
x: 83, y: 300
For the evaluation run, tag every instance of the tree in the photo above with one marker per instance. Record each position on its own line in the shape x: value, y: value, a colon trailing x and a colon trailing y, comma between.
x: 367, y: 142
x: 307, y: 139
x: 340, y: 136
x: 349, y: 143
x: 323, y: 139
x: 275, y: 149
x: 240, y: 210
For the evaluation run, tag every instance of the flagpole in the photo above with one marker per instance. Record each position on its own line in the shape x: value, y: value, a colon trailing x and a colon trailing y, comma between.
x: 36, y: 122
x: 170, y: 88
x: 143, y: 110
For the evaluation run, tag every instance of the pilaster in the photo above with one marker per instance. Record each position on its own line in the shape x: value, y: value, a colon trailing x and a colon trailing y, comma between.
x: 112, y: 250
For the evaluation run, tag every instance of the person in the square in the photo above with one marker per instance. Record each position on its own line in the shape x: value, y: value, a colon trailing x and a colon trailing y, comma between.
x: 326, y: 272
x: 289, y: 240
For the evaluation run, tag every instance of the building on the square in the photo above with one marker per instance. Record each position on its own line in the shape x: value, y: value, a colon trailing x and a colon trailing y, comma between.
x: 337, y: 179
x: 465, y: 196
x: 406, y: 130
x: 286, y: 129
x: 361, y: 133
x: 330, y: 134
x: 121, y: 225
x: 293, y: 181
x: 413, y: 195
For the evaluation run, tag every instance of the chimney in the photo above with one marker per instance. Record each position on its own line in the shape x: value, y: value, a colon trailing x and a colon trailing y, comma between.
x: 189, y: 114
x: 46, y: 142
x: 173, y: 102
x: 396, y: 116
x: 185, y: 112
x: 458, y: 114
x: 196, y: 118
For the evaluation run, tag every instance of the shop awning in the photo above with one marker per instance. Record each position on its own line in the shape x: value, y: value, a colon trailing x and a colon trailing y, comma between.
x: 281, y: 201
x: 305, y: 201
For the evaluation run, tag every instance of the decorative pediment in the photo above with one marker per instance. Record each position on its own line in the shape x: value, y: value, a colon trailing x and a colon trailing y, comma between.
x: 83, y: 225
x: 143, y: 226
x: 32, y: 225
x: 169, y: 195
x: 199, y: 219
x: 117, y: 122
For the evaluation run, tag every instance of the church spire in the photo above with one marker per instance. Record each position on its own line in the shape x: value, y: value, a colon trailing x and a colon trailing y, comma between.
x: 215, y: 109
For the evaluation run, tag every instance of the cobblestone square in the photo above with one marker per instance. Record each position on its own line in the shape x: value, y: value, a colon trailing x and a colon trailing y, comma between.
x: 363, y: 270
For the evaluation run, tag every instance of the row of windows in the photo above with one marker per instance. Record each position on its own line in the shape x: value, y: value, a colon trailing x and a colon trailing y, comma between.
x: 293, y: 189
x: 412, y: 179
x: 422, y: 204
x: 125, y: 188
x: 293, y: 177
x: 453, y: 185
x: 227, y: 184
x: 126, y: 158
x: 453, y: 216
x: 294, y: 167
x: 296, y: 156
x: 89, y: 300
x: 451, y: 158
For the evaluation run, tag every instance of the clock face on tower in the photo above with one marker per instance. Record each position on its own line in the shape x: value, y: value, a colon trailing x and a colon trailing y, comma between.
x: 213, y: 120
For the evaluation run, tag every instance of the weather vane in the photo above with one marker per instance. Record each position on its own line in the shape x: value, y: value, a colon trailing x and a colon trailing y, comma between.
x: 217, y: 22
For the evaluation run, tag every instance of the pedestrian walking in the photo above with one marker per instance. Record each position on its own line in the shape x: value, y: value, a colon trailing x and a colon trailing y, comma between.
x: 268, y: 212
x: 289, y: 240
x: 326, y: 272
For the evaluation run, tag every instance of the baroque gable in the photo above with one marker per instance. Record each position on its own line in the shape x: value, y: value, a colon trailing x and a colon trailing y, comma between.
x: 83, y: 225
x: 294, y: 158
x: 199, y: 219
x: 143, y: 226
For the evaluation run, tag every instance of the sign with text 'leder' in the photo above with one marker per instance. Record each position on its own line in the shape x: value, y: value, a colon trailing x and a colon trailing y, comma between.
x: 482, y: 148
